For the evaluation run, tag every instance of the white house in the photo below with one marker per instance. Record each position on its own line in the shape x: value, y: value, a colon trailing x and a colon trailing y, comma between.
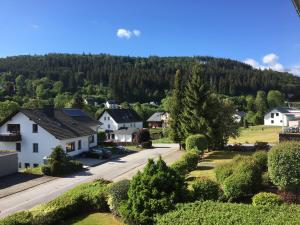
x: 120, y: 124
x: 111, y: 104
x: 281, y: 116
x: 158, y: 119
x: 33, y: 133
x: 238, y: 116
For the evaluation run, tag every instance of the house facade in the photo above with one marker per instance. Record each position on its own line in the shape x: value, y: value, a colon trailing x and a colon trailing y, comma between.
x: 33, y: 133
x: 281, y: 116
x: 158, y: 120
x: 120, y: 124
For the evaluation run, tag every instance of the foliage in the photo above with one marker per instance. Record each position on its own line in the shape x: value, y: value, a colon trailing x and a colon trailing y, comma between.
x: 196, y: 142
x: 205, y: 189
x: 261, y: 158
x: 275, y: 99
x: 187, y: 163
x: 267, y: 199
x: 101, y: 136
x: 6, y: 108
x: 153, y: 191
x: 208, y: 213
x: 118, y: 192
x: 143, y: 135
x: 83, y: 198
x: 284, y: 165
x: 146, y: 144
x: 223, y: 171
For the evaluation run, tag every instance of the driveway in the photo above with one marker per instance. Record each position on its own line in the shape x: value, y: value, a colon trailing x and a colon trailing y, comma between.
x: 114, y: 170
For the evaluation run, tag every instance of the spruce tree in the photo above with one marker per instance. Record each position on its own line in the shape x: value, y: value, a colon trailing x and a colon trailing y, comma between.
x: 197, y: 93
x: 176, y: 109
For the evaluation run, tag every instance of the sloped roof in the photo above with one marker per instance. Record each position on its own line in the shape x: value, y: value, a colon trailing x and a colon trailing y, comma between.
x: 156, y: 117
x: 81, y: 116
x: 60, y: 125
x: 123, y: 115
x: 286, y: 109
x: 240, y: 113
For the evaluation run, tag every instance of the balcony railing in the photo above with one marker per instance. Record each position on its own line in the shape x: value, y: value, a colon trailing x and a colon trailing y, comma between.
x: 10, y: 137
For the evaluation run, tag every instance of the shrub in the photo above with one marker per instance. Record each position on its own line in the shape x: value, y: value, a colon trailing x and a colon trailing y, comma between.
x: 261, y: 146
x: 208, y: 213
x: 19, y: 218
x: 46, y: 170
x: 284, y: 165
x: 261, y: 158
x: 146, y: 144
x: 205, y: 189
x: 155, y: 190
x: 267, y: 199
x: 143, y: 135
x: 101, y: 136
x: 188, y: 162
x: 197, y: 142
x: 223, y: 171
x: 289, y: 197
x: 118, y: 192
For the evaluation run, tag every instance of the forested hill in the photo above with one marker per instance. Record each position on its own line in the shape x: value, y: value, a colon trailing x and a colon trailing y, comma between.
x: 146, y: 79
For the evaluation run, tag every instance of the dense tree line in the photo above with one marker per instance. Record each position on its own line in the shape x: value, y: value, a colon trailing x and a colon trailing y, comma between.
x: 132, y: 78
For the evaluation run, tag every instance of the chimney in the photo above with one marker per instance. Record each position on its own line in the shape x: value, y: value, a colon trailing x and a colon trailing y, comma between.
x: 49, y: 110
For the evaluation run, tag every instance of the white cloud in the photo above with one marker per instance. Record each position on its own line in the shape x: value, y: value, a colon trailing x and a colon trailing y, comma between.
x: 253, y: 63
x: 295, y: 70
x: 270, y: 59
x: 124, y: 33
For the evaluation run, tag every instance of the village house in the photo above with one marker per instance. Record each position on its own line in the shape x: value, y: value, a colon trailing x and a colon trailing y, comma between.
x: 120, y: 125
x: 111, y: 104
x: 238, y: 116
x: 158, y: 120
x: 282, y: 116
x: 33, y: 133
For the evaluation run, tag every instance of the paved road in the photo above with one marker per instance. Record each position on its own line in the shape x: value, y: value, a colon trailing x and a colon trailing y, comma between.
x: 114, y: 170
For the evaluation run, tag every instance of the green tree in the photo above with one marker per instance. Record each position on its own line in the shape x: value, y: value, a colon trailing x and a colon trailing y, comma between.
x: 175, y: 104
x: 156, y: 190
x: 261, y: 103
x: 20, y: 85
x: 6, y: 108
x: 58, y: 87
x: 275, y: 98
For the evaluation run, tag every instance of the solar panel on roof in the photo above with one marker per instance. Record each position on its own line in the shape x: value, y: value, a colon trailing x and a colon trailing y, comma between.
x: 74, y: 112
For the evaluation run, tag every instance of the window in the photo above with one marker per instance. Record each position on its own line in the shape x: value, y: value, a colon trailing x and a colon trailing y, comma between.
x: 108, y: 118
x: 34, y: 128
x: 277, y: 114
x: 108, y: 126
x: 35, y: 165
x: 13, y: 128
x: 104, y: 118
x: 91, y: 139
x: 134, y: 124
x: 79, y: 145
x: 70, y: 147
x: 27, y: 165
x: 20, y: 165
x: 272, y: 115
x: 272, y: 121
x: 113, y: 136
x: 35, y: 147
x: 18, y: 147
x: 280, y: 121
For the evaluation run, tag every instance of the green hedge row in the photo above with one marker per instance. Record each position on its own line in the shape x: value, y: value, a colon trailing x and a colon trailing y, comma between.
x: 83, y: 198
x: 215, y: 213
x: 187, y: 163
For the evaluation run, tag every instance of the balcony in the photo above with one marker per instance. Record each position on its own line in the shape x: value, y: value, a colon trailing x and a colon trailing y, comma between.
x: 10, y: 137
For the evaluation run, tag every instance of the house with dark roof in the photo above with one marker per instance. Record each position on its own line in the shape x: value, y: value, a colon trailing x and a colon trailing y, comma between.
x: 111, y: 104
x: 33, y: 133
x: 281, y: 116
x: 120, y: 125
x: 238, y: 116
x: 158, y: 120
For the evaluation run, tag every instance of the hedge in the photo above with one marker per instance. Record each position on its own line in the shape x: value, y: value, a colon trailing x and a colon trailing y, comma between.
x: 216, y: 213
x: 83, y: 198
x: 267, y: 199
x: 197, y: 142
x: 205, y: 189
x: 284, y: 165
x: 187, y: 163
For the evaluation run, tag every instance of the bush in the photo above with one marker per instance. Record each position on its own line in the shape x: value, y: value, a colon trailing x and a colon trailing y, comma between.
x: 261, y: 146
x: 223, y: 171
x: 46, y: 170
x: 261, y: 158
x: 118, y: 192
x: 205, y: 189
x: 289, y: 197
x: 208, y: 213
x: 147, y: 144
x: 143, y: 135
x: 153, y: 191
x: 284, y: 165
x: 83, y: 198
x: 197, y: 142
x: 101, y: 136
x: 267, y: 199
x: 19, y: 218
x: 188, y: 162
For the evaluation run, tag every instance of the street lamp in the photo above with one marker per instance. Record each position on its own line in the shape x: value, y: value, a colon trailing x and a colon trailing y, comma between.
x: 297, y: 6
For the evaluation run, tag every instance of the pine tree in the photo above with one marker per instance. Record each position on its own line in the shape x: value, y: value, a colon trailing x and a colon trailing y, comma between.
x: 176, y: 110
x: 195, y: 104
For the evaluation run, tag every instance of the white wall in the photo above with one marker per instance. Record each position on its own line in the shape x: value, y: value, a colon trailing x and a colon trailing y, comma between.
x: 111, y: 124
x: 123, y: 138
x: 45, y: 140
x: 279, y: 119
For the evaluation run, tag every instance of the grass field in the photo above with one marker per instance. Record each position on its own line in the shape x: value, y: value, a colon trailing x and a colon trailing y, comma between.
x: 257, y: 133
x: 94, y: 219
x: 211, y: 160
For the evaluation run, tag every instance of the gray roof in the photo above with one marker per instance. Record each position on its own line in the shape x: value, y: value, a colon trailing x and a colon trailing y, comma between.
x: 58, y: 123
x: 128, y: 131
x: 81, y: 116
x: 284, y: 109
x: 156, y: 117
x: 240, y: 113
x: 123, y: 115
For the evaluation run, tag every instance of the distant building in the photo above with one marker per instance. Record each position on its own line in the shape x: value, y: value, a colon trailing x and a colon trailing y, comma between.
x: 33, y: 133
x: 281, y: 116
x: 91, y: 101
x: 120, y: 124
x: 111, y: 104
x: 238, y: 116
x: 158, y: 120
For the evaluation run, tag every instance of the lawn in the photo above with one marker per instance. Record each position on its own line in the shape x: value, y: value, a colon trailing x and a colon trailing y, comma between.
x: 94, y: 219
x: 257, y: 133
x: 211, y: 160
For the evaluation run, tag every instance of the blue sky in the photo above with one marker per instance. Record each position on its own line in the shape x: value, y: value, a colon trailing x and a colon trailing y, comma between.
x: 241, y: 30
